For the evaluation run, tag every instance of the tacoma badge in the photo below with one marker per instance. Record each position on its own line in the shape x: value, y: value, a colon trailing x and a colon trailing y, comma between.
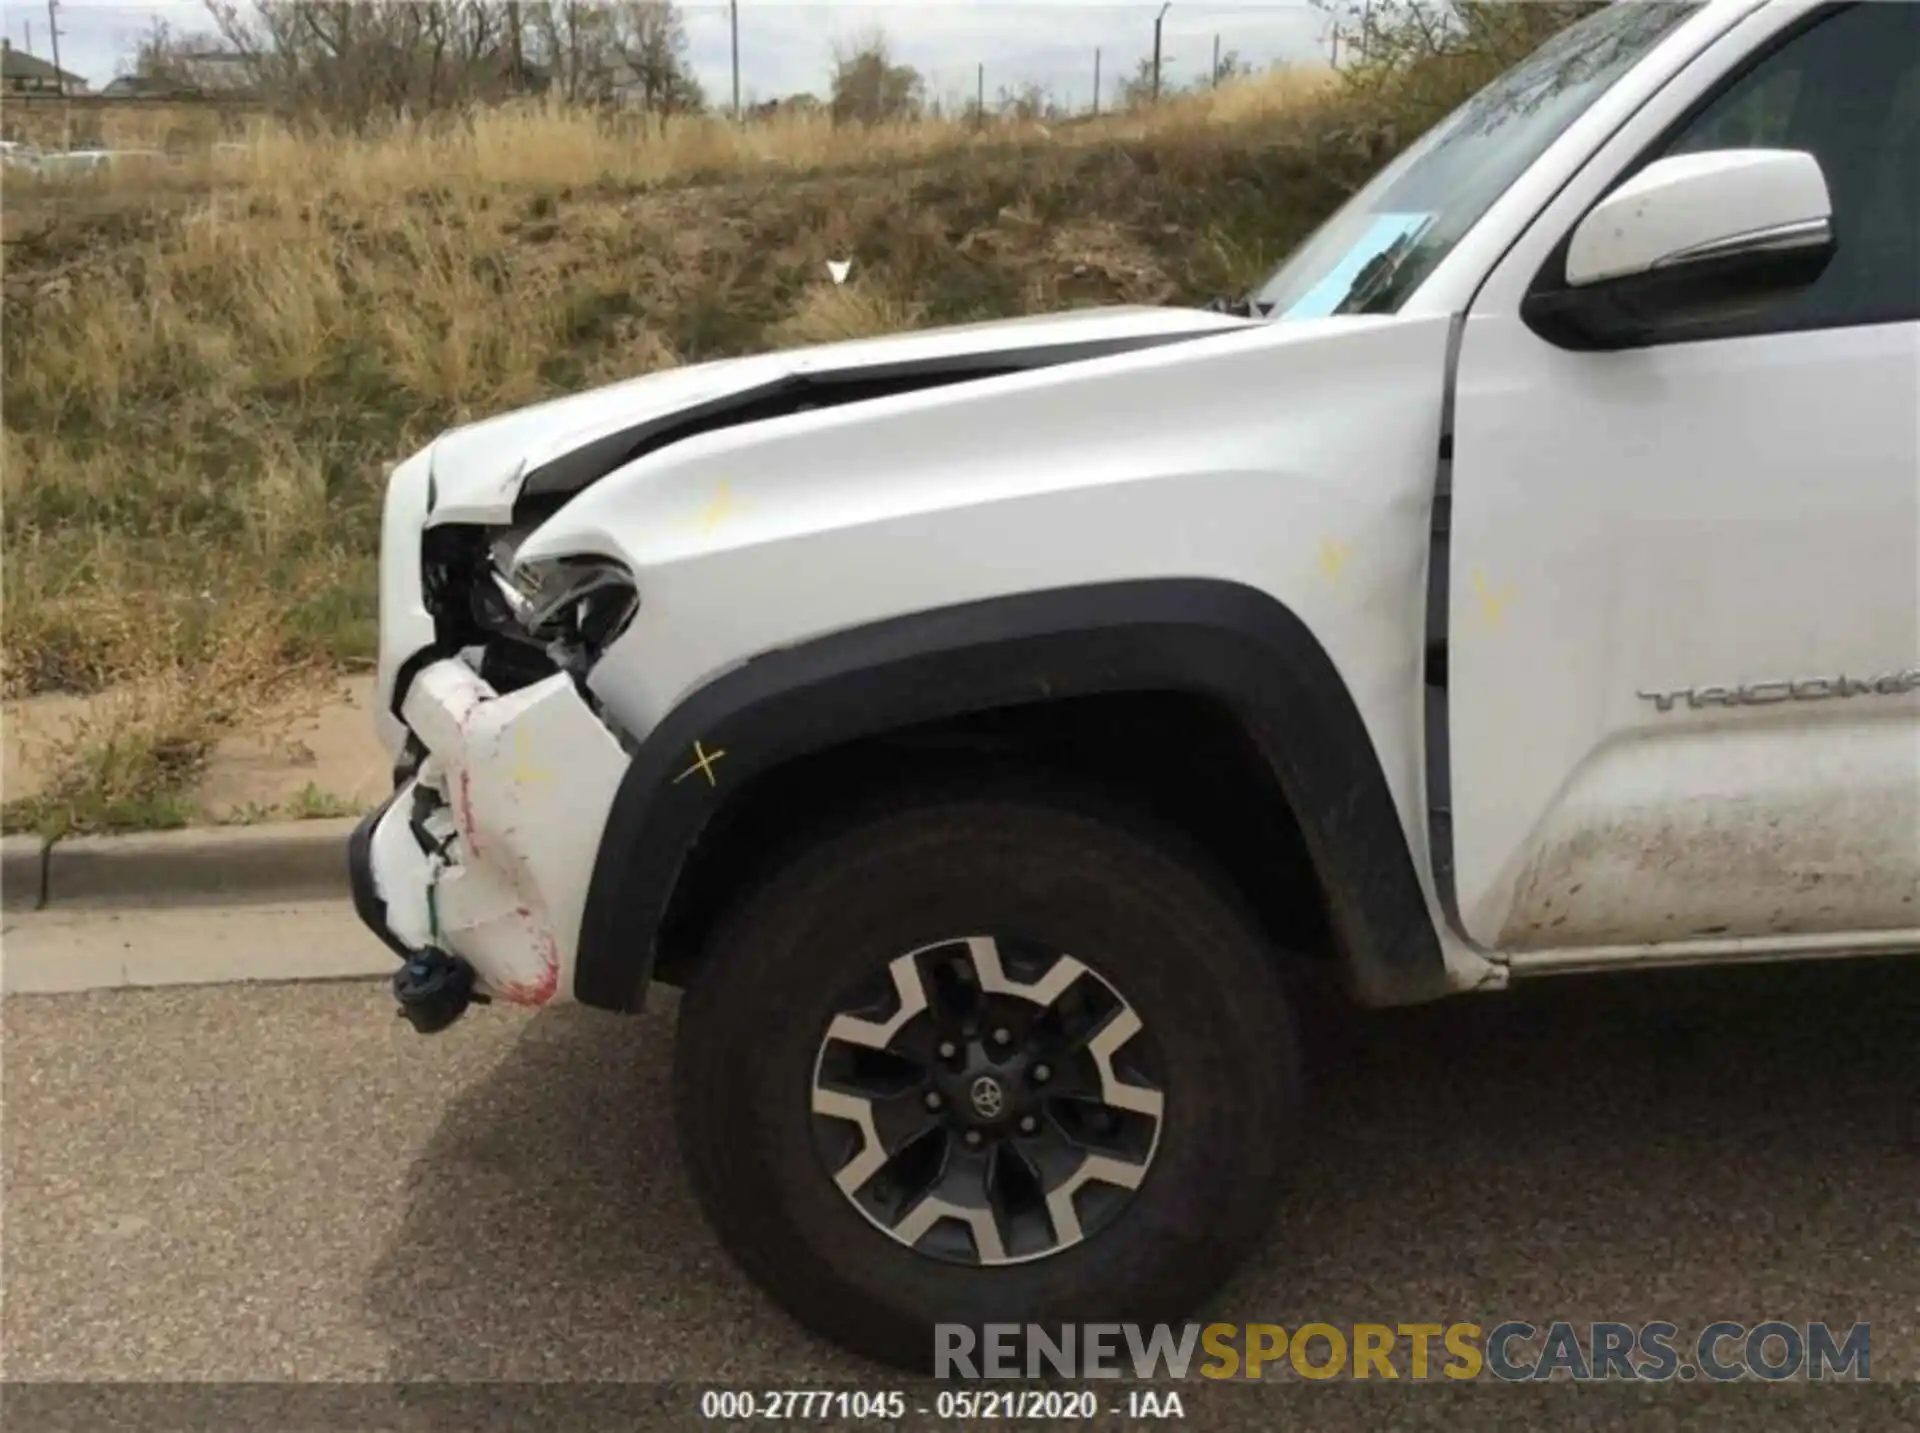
x: 1796, y: 689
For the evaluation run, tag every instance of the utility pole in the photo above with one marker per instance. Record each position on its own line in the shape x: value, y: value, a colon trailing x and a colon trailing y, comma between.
x: 1216, y: 62
x: 733, y: 16
x: 60, y: 80
x: 980, y: 94
x: 1096, y: 79
x: 53, y: 25
x: 1156, y: 48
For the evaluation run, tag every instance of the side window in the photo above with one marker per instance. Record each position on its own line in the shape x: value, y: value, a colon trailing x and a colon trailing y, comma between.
x: 1752, y: 115
x: 1847, y: 91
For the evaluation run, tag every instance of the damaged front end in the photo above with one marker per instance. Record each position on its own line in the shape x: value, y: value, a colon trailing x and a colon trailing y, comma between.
x: 476, y: 870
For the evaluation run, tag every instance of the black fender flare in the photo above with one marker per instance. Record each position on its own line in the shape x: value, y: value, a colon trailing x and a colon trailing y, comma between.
x: 1217, y: 639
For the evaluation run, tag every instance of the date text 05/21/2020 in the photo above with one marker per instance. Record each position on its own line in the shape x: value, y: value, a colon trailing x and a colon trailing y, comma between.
x: 889, y: 1406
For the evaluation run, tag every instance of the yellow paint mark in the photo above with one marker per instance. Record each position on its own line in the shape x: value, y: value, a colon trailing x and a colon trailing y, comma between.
x: 1333, y: 557
x: 721, y: 509
x: 1493, y: 600
x: 524, y: 772
x: 703, y: 762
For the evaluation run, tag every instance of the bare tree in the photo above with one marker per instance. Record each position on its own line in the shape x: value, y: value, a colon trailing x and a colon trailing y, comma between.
x: 362, y: 62
x: 1230, y: 67
x: 651, y: 40
x: 1029, y: 101
x: 163, y: 58
x: 869, y: 86
x: 576, y: 43
x: 1137, y: 89
x: 355, y: 62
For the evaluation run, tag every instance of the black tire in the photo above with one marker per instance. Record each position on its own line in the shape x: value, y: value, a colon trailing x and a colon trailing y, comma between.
x: 1136, y: 907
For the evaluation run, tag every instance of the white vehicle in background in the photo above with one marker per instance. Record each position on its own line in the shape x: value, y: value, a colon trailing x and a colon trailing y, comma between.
x: 65, y: 163
x: 976, y: 722
x: 88, y: 163
x: 16, y: 155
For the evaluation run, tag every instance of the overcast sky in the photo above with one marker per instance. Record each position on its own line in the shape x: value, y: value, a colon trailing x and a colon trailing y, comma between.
x: 786, y: 45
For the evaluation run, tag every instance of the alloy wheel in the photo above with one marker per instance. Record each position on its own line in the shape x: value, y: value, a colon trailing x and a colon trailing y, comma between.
x: 987, y: 1101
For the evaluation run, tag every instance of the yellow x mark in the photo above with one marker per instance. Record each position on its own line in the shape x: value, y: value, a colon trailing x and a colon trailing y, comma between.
x: 1493, y: 600
x: 721, y: 509
x: 703, y: 762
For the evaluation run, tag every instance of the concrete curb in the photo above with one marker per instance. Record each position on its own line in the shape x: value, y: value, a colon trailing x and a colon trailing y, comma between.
x: 23, y: 867
x: 222, y: 865
x: 66, y: 952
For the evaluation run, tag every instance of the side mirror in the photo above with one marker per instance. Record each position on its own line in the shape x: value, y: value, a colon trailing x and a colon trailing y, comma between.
x: 1688, y: 242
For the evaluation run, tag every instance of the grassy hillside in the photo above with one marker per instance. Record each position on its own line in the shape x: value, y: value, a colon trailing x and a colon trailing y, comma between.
x: 207, y: 371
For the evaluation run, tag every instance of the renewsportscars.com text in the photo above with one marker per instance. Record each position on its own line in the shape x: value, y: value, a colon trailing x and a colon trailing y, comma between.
x: 1513, y: 1350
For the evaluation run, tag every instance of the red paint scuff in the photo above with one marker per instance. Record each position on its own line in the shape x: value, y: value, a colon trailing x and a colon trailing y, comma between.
x: 541, y: 990
x: 463, y: 804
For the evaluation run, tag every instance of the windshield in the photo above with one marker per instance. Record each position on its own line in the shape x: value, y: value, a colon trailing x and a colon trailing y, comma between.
x: 1375, y: 251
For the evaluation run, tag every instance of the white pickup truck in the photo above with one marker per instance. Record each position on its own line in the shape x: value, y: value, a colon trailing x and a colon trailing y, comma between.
x: 977, y: 722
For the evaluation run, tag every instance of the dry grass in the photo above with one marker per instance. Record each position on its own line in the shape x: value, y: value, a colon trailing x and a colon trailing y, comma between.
x: 543, y: 144
x: 208, y: 370
x: 830, y: 314
x: 126, y: 757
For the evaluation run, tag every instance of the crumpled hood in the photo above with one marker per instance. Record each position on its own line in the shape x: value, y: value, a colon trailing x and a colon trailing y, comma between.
x: 479, y: 471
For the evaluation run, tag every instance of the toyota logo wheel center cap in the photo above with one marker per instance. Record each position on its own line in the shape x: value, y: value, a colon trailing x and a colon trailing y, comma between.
x: 987, y: 1096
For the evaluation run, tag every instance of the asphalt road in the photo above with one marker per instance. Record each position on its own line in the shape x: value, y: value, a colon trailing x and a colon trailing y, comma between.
x: 285, y: 1183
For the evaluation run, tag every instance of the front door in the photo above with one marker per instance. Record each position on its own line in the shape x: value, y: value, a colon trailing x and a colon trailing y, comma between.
x: 1684, y: 608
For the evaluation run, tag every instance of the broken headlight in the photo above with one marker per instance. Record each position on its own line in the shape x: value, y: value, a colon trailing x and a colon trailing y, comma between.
x: 580, y: 603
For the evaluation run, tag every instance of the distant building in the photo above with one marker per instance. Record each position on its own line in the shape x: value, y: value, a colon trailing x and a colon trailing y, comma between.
x: 146, y: 87
x: 194, y: 75
x: 789, y: 104
x: 24, y: 74
x: 215, y: 73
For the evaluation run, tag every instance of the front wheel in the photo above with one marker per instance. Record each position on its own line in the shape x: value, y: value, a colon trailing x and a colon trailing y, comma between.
x: 986, y: 1062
